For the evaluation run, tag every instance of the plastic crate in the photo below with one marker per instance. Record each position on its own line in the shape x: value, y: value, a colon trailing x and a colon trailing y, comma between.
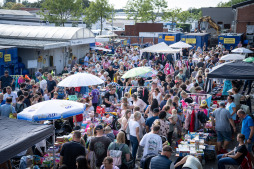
x: 210, y: 153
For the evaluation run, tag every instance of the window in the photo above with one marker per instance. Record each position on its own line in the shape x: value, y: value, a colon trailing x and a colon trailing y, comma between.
x: 227, y: 26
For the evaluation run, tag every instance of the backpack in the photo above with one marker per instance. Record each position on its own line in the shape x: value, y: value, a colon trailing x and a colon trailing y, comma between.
x: 116, y: 155
x: 20, y: 108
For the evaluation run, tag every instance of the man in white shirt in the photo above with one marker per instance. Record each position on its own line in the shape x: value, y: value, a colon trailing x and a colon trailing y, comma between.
x: 11, y: 94
x: 152, y: 142
x: 135, y: 58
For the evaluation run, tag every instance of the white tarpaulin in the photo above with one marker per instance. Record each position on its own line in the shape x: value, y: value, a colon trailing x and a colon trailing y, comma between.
x: 180, y: 45
x: 232, y: 56
x: 160, y: 48
x: 99, y: 48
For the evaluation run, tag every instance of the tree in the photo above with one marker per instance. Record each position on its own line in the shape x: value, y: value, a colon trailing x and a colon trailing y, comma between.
x: 145, y: 10
x: 9, y: 5
x: 184, y: 16
x: 37, y: 4
x: 195, y: 13
x: 98, y: 11
x: 133, y: 9
x: 229, y: 3
x: 59, y: 11
x: 171, y: 15
x: 86, y: 3
x: 6, y: 1
x: 17, y: 6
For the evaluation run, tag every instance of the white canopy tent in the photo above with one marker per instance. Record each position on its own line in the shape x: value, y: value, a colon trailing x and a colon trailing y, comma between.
x: 180, y: 45
x: 160, y: 48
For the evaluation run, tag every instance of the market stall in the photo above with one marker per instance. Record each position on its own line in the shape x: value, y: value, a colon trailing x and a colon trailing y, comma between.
x: 233, y: 70
x: 160, y: 48
x: 19, y: 135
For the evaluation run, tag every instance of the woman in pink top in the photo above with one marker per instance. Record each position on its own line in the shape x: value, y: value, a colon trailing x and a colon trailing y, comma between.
x: 138, y: 102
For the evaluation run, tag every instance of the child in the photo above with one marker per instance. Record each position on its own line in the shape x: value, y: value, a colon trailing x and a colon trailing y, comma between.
x: 55, y: 96
x: 155, y: 79
x: 204, y: 107
x: 174, y: 115
x: 35, y: 99
x: 128, y: 96
x: 124, y: 107
x: 46, y: 95
x: 21, y: 80
x: 179, y: 123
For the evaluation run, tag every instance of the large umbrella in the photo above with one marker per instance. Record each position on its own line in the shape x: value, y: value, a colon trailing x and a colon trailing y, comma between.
x: 232, y: 57
x: 80, y: 79
x: 249, y: 59
x: 242, y: 50
x: 149, y: 74
x: 114, y: 84
x: 180, y: 45
x: 137, y: 71
x: 51, y: 110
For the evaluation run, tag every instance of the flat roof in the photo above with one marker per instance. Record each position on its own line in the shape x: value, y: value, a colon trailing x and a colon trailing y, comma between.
x: 14, y: 12
x: 32, y: 44
x: 243, y: 4
x: 7, y: 47
x: 44, y: 32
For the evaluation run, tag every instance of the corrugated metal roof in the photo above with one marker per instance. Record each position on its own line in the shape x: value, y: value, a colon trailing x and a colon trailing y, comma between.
x: 13, y: 12
x: 7, y: 47
x: 44, y: 32
x: 35, y: 44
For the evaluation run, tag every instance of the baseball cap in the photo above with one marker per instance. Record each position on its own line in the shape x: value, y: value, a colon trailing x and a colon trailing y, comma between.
x: 167, y: 148
x: 99, y: 127
x: 156, y: 110
x: 6, y: 71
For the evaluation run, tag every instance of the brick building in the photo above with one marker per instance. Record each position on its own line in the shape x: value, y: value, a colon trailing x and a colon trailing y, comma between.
x: 141, y: 33
x: 244, y: 15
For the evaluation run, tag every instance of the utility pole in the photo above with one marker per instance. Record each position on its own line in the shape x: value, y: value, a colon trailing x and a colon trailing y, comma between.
x: 112, y: 20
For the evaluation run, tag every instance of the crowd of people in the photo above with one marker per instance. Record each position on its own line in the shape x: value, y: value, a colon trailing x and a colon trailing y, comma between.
x: 150, y: 115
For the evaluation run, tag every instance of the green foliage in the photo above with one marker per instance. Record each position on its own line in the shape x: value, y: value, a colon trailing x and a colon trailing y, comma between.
x: 59, y: 11
x: 133, y: 9
x: 185, y: 27
x: 145, y: 10
x: 17, y: 6
x: 37, y: 4
x: 9, y: 5
x: 97, y: 11
x: 184, y: 16
x: 172, y: 15
x: 86, y: 3
x: 195, y: 13
x: 6, y: 1
x: 229, y: 3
